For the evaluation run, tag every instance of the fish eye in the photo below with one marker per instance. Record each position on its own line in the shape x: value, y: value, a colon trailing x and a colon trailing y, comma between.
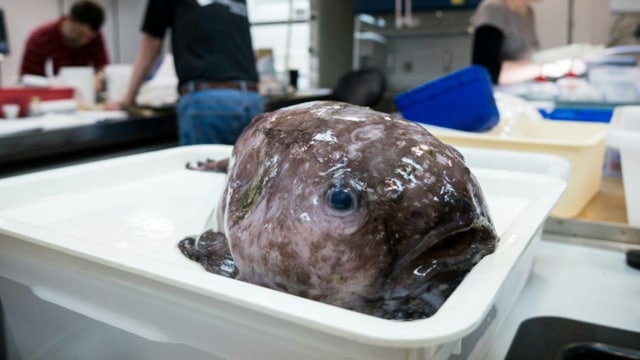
x: 341, y: 199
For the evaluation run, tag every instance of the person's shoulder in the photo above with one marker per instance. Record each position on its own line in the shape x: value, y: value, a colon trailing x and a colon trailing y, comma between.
x: 492, y: 6
x: 46, y: 30
x: 490, y: 12
x: 44, y: 34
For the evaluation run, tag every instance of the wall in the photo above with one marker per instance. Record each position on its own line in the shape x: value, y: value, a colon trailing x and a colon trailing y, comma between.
x: 334, y: 27
x: 20, y: 17
x: 441, y: 41
x: 121, y: 28
x: 552, y: 18
x: 591, y: 21
x: 438, y: 44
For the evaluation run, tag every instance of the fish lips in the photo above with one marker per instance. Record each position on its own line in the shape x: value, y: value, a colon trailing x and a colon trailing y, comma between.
x: 423, y: 277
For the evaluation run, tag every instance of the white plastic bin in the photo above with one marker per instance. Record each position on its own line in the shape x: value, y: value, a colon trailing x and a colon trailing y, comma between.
x: 82, y: 79
x: 624, y: 134
x: 100, y: 240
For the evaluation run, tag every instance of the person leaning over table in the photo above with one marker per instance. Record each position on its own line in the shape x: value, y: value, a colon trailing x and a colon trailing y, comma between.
x: 214, y: 61
x: 73, y: 40
x: 504, y: 38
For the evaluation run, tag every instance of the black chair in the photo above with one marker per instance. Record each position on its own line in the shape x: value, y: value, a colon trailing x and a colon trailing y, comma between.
x: 364, y: 87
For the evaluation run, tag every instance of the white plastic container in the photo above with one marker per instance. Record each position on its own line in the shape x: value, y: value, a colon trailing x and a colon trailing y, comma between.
x: 617, y: 83
x: 624, y: 134
x: 10, y: 111
x: 581, y: 143
x: 117, y: 80
x: 82, y: 78
x: 100, y: 239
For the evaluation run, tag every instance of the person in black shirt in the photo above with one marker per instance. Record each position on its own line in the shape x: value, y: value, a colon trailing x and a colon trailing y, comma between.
x: 214, y: 61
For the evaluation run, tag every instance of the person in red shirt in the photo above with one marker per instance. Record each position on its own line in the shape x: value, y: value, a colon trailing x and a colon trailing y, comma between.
x: 73, y: 40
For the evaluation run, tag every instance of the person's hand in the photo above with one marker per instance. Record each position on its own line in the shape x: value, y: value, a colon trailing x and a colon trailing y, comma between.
x: 99, y: 81
x: 115, y: 105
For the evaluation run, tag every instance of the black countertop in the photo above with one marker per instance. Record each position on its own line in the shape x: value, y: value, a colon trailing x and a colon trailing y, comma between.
x: 39, y: 150
x: 274, y: 102
x: 144, y: 130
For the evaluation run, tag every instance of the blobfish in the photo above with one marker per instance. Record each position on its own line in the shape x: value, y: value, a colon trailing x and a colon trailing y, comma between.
x: 348, y: 206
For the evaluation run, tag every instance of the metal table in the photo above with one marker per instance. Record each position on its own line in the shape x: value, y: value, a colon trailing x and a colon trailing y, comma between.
x: 37, y: 150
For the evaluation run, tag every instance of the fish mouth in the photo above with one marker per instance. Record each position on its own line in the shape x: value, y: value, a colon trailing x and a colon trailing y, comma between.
x: 457, y: 251
x: 448, y: 247
x: 421, y: 281
x: 453, y: 244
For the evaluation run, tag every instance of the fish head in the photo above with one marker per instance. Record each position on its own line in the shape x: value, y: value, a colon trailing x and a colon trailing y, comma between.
x: 353, y: 207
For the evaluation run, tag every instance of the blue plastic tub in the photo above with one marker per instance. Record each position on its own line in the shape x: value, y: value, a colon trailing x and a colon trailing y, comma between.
x: 461, y: 100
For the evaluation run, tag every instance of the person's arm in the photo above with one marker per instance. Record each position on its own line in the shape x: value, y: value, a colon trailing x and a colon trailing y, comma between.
x: 100, y: 61
x: 518, y: 71
x: 156, y: 20
x: 486, y: 51
x: 99, y: 79
x: 149, y: 50
x: 486, y: 48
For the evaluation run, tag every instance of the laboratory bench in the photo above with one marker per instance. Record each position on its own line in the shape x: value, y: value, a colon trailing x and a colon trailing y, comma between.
x: 574, y: 279
x: 579, y: 278
x: 37, y: 148
x: 604, y: 216
x: 143, y: 129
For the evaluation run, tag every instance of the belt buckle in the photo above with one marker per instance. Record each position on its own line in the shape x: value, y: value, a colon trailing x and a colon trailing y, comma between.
x: 189, y: 87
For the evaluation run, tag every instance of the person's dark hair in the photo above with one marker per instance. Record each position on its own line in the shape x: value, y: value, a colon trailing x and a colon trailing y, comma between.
x: 88, y: 12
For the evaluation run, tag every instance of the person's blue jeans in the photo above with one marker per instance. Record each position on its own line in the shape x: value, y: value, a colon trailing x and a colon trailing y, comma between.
x: 216, y: 116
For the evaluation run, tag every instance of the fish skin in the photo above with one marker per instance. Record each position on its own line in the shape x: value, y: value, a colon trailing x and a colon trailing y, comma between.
x: 351, y: 207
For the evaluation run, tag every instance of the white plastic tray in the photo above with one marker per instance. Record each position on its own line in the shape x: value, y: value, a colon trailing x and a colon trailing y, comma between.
x: 100, y: 239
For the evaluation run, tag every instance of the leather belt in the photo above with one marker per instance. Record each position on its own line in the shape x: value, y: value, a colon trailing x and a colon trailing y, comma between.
x: 208, y: 85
